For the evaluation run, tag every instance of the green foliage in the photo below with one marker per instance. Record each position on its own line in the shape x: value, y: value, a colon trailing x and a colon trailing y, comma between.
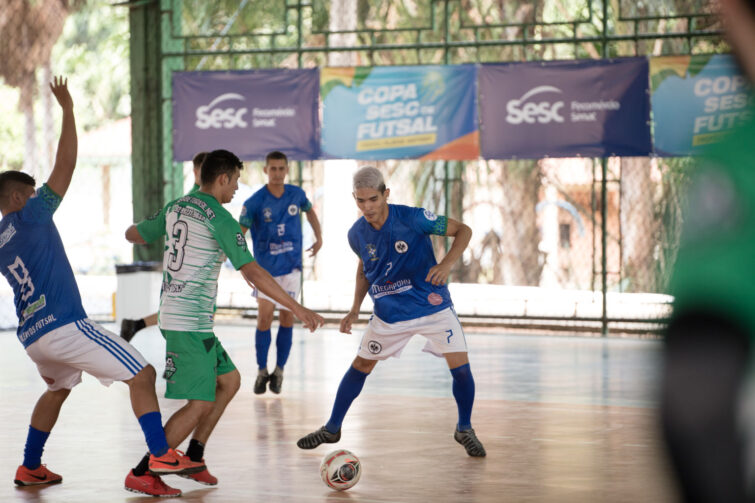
x: 93, y: 54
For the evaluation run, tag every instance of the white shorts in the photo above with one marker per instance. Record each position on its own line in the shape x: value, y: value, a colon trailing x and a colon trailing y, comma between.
x: 442, y: 330
x: 290, y: 282
x: 62, y: 354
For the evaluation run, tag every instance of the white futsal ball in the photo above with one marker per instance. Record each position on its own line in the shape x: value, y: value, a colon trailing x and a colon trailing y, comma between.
x: 340, y: 469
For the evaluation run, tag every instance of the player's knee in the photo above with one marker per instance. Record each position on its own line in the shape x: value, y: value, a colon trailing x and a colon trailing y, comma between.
x: 200, y: 407
x: 229, y: 383
x: 264, y: 321
x: 364, y: 365
x: 145, y: 376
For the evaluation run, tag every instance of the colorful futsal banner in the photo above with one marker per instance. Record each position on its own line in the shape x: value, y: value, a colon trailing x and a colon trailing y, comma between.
x: 400, y: 112
x: 696, y: 100
x: 249, y: 113
x: 590, y: 108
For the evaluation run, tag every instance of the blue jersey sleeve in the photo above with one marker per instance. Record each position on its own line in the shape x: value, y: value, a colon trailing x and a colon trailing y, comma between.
x: 427, y: 222
x: 247, y: 216
x: 41, y: 206
x: 304, y: 204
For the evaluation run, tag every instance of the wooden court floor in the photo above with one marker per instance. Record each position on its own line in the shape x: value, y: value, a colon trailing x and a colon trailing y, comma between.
x: 563, y: 419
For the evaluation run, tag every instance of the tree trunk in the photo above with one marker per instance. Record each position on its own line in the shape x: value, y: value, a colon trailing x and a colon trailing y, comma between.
x: 638, y: 224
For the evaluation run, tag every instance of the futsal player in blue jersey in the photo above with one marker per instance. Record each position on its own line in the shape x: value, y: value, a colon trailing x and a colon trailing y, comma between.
x: 397, y: 266
x: 52, y: 324
x: 273, y: 215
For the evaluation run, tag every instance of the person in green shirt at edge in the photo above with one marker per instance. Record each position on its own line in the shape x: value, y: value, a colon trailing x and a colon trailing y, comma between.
x: 201, y: 233
x: 129, y: 327
x: 708, y: 347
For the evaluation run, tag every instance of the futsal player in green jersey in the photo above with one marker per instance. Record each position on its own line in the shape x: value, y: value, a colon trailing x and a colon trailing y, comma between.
x: 129, y: 327
x: 707, y: 403
x: 200, y: 234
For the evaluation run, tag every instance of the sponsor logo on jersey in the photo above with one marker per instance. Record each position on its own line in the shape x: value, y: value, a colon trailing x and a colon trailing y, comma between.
x: 169, y: 287
x: 430, y: 215
x: 293, y: 209
x: 40, y: 324
x: 198, y: 202
x: 375, y: 347
x: 267, y: 214
x: 7, y: 235
x: 372, y: 252
x: 401, y: 246
x: 243, y: 211
x: 32, y: 308
x: 435, y: 299
x: 218, y: 114
x: 278, y: 248
x: 170, y: 366
x: 391, y: 288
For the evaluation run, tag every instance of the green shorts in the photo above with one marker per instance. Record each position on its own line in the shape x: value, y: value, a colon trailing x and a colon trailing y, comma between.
x: 193, y: 361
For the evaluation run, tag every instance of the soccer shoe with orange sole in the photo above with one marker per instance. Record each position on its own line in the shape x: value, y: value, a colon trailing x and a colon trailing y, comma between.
x: 151, y: 485
x: 38, y: 476
x: 203, y: 477
x: 173, y: 462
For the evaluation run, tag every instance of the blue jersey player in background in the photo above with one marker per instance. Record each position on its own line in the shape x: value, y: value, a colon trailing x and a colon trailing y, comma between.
x: 397, y: 267
x: 52, y: 324
x: 273, y: 215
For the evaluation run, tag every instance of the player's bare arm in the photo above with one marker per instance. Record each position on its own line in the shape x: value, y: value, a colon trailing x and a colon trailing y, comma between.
x: 133, y: 236
x: 360, y: 291
x: 258, y: 276
x: 438, y: 274
x: 315, y: 223
x: 65, y: 158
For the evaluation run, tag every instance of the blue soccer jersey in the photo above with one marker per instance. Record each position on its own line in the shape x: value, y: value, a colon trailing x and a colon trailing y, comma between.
x: 35, y: 264
x: 396, y: 261
x: 275, y: 225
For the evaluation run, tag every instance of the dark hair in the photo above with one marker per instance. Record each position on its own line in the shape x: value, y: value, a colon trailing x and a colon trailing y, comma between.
x: 199, y: 159
x: 276, y: 154
x: 10, y: 179
x: 219, y: 162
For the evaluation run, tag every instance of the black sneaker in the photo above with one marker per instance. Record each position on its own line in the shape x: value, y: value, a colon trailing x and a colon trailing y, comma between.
x: 276, y: 380
x: 260, y: 385
x: 128, y: 329
x: 471, y: 443
x: 321, y: 436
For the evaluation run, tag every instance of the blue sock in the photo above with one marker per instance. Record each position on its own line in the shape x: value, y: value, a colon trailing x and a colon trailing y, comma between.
x: 350, y: 387
x: 463, y: 389
x: 283, y: 344
x: 152, y: 426
x: 35, y: 444
x: 262, y: 345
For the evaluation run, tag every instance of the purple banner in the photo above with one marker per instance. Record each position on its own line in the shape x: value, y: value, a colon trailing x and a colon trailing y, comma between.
x: 249, y: 113
x: 565, y: 109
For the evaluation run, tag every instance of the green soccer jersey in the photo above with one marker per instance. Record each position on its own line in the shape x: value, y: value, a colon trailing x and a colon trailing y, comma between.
x: 715, y: 268
x: 200, y: 234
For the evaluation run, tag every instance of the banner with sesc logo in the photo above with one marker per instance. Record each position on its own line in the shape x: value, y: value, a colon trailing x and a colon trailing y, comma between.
x: 565, y: 109
x: 249, y: 113
x: 400, y: 112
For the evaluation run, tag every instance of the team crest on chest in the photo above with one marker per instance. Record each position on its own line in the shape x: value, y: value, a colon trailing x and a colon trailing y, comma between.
x: 401, y: 246
x: 267, y: 214
x: 293, y: 209
x: 371, y: 251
